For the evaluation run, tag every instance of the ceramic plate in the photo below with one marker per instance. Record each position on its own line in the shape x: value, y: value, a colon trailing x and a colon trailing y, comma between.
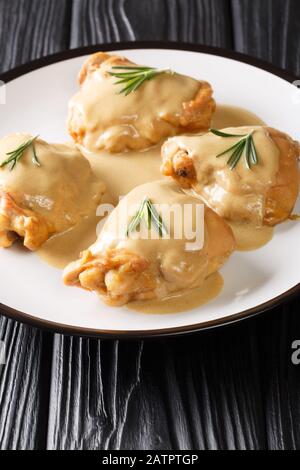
x: 36, y: 101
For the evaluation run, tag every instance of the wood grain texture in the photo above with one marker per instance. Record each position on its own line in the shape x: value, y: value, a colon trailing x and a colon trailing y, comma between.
x: 281, y: 379
x: 28, y: 30
x: 232, y: 388
x: 176, y: 394
x: 270, y: 30
x: 199, y: 21
x: 31, y: 29
x: 24, y: 386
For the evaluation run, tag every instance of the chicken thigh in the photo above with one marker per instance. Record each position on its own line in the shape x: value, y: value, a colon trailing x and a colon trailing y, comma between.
x: 259, y: 188
x: 45, y: 189
x: 102, y: 117
x: 151, y: 255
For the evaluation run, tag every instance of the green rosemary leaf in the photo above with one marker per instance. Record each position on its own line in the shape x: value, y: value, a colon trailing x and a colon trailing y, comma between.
x: 248, y: 152
x: 135, y: 86
x: 132, y: 85
x: 21, y: 147
x: 235, y: 157
x: 230, y: 149
x: 148, y: 212
x: 35, y: 159
x: 148, y: 215
x: 126, y: 76
x: 223, y: 134
x: 157, y: 220
x: 123, y: 80
x: 244, y: 146
x: 135, y: 222
x: 132, y: 67
x: 127, y: 89
x: 13, y: 164
x: 254, y: 155
x: 133, y: 77
x: 15, y: 155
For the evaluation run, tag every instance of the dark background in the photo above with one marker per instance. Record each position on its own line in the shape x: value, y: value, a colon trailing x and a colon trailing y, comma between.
x: 232, y: 388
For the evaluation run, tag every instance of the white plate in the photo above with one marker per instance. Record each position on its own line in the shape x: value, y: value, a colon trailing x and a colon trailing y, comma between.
x: 33, y: 292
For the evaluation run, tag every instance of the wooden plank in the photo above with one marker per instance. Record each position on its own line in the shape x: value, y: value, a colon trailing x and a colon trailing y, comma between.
x: 31, y: 29
x: 97, y: 391
x: 24, y: 386
x: 269, y: 29
x: 216, y: 390
x: 28, y: 29
x: 199, y: 21
x: 281, y: 378
x: 201, y: 392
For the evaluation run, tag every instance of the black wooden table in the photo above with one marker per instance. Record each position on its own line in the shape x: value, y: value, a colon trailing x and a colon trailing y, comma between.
x: 231, y: 388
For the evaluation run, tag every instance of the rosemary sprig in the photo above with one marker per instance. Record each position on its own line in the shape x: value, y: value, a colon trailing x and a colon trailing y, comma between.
x: 15, y: 155
x: 132, y: 77
x: 245, y: 146
x: 136, y: 221
x: 148, y: 212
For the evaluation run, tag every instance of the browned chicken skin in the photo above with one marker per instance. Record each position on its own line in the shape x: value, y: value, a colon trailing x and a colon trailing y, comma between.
x: 124, y: 270
x: 118, y: 276
x: 281, y: 197
x: 101, y: 118
x: 226, y: 191
x: 15, y: 220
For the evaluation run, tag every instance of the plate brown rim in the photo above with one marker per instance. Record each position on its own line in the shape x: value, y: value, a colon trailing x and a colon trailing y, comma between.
x: 136, y: 334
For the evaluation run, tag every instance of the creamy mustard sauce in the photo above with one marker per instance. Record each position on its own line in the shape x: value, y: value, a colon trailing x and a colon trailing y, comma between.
x: 123, y: 172
x: 120, y: 173
x: 63, y: 248
x: 182, y: 301
x: 250, y: 237
x: 109, y: 118
x: 233, y: 116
